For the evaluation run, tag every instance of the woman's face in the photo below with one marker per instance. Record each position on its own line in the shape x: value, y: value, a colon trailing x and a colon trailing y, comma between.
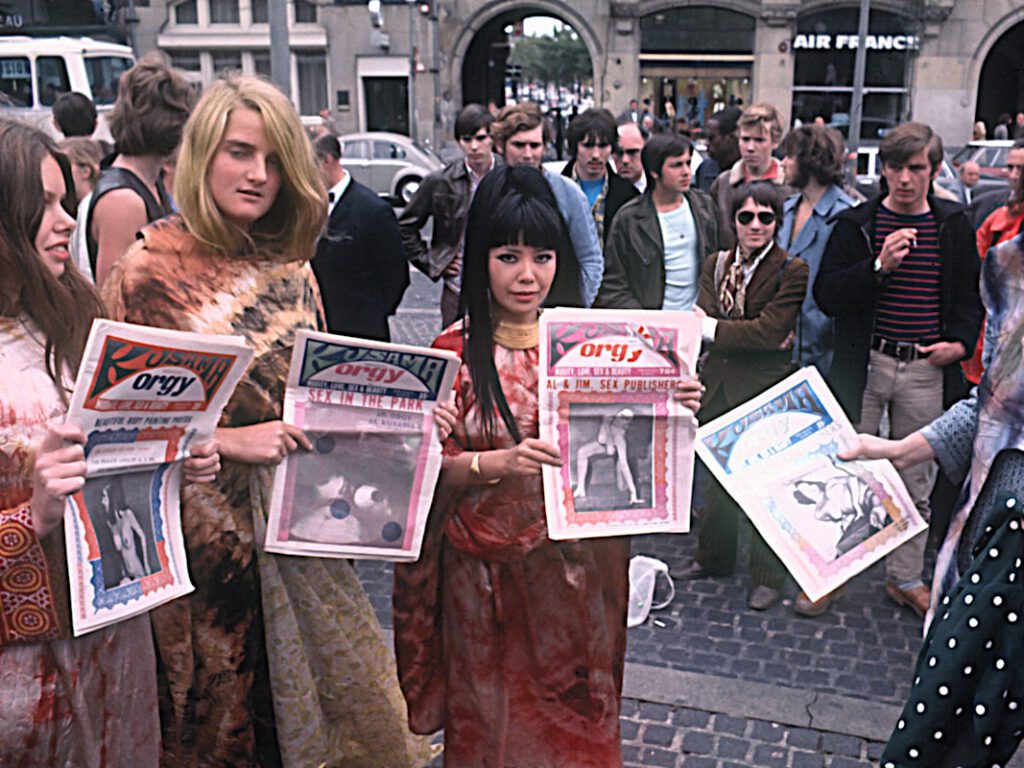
x: 245, y: 175
x: 55, y: 229
x: 520, y: 277
x: 755, y: 225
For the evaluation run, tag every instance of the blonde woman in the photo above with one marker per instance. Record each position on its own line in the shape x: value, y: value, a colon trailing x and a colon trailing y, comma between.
x: 236, y: 260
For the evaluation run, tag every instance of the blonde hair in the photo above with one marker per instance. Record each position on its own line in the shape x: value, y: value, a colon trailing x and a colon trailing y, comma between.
x: 290, y: 228
x: 766, y: 117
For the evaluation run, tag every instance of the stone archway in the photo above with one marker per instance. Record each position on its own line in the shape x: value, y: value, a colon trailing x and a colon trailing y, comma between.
x: 996, y: 70
x: 511, y: 8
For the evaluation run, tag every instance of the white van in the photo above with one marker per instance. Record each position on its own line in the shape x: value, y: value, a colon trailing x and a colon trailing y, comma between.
x: 34, y: 71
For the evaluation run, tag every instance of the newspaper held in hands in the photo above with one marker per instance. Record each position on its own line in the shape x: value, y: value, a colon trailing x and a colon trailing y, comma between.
x: 607, y: 379
x: 826, y: 519
x: 365, y: 489
x: 143, y: 397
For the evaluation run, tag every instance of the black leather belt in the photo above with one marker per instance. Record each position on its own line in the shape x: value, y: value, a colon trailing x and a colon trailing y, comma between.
x: 901, y: 350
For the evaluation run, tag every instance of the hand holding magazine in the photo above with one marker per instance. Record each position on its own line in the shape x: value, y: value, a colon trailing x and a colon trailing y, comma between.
x: 607, y: 401
x: 365, y: 489
x: 826, y: 519
x: 143, y: 397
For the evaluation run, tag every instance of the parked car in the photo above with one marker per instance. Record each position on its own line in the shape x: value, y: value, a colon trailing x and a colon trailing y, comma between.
x: 390, y: 164
x: 34, y: 71
x: 991, y: 154
x: 865, y: 172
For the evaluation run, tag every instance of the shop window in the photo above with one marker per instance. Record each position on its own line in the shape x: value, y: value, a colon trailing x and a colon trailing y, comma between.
x: 260, y: 12
x: 825, y: 49
x: 187, y: 12
x: 697, y: 30
x: 15, y: 82
x: 312, y: 72
x: 51, y: 79
x: 224, y: 12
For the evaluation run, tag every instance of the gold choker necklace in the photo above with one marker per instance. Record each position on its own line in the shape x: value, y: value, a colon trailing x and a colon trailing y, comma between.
x: 517, y: 336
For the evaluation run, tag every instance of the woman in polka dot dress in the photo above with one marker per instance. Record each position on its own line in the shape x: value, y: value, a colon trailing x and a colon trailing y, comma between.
x: 966, y: 705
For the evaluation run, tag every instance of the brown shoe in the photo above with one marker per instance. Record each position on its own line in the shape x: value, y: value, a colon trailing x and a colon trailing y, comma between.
x: 916, y: 599
x: 807, y: 607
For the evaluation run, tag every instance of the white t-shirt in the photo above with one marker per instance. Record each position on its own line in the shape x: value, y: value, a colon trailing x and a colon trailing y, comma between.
x: 682, y: 266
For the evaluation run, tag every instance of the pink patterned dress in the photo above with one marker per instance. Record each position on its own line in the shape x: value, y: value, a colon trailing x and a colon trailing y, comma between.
x: 511, y: 642
x: 88, y: 701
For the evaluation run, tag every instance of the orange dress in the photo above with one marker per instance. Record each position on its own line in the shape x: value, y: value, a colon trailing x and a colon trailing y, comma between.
x: 511, y: 642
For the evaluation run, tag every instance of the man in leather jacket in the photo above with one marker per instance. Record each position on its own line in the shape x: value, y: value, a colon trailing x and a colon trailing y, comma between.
x: 659, y: 241
x: 445, y: 196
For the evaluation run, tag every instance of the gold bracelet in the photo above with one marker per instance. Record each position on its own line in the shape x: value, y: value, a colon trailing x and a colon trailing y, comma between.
x: 474, y: 470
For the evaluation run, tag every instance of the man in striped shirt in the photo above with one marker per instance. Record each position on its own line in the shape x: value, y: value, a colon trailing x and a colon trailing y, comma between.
x: 900, y: 277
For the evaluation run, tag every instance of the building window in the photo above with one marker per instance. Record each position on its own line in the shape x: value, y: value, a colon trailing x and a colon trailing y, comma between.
x: 226, y: 61
x: 305, y: 11
x: 186, y: 60
x: 186, y: 12
x: 261, y: 63
x: 224, y: 12
x: 825, y: 48
x: 312, y: 75
x: 260, y: 12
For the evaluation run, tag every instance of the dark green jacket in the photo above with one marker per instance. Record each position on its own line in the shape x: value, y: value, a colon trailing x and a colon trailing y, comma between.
x: 634, y: 256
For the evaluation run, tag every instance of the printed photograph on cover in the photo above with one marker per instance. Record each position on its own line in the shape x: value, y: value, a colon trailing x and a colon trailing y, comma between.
x: 120, y: 509
x: 356, y: 488
x: 837, y: 507
x: 611, y: 450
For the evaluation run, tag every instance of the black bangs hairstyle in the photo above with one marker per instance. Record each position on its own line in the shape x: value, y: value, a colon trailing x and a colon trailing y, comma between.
x: 511, y: 206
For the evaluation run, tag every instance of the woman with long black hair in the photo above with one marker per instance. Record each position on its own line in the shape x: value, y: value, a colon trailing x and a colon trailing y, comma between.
x: 511, y: 642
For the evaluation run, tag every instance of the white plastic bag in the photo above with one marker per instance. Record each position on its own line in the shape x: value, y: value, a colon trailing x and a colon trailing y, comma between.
x: 643, y: 574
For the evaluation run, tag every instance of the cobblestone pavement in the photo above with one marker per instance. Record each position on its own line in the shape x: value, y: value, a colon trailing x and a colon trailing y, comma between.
x: 859, y: 656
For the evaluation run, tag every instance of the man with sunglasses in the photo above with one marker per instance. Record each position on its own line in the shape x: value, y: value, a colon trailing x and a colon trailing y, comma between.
x: 658, y: 242
x: 591, y: 137
x: 444, y: 196
x: 900, y: 277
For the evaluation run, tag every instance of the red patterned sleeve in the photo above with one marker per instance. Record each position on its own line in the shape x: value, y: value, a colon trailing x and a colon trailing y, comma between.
x: 27, y: 610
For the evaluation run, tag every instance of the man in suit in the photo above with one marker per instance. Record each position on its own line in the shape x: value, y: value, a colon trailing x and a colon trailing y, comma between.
x: 970, y: 175
x: 359, y: 262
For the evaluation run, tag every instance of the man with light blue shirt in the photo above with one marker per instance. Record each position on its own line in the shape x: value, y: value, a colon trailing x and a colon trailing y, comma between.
x: 520, y: 135
x: 659, y: 241
x: 813, y: 158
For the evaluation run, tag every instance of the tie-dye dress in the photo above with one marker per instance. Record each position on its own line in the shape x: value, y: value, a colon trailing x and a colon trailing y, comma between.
x: 272, y: 659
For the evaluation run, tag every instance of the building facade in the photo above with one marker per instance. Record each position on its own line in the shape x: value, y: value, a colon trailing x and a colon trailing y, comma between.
x: 409, y: 66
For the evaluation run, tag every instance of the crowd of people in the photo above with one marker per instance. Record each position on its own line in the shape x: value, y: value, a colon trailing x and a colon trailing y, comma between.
x: 219, y: 215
